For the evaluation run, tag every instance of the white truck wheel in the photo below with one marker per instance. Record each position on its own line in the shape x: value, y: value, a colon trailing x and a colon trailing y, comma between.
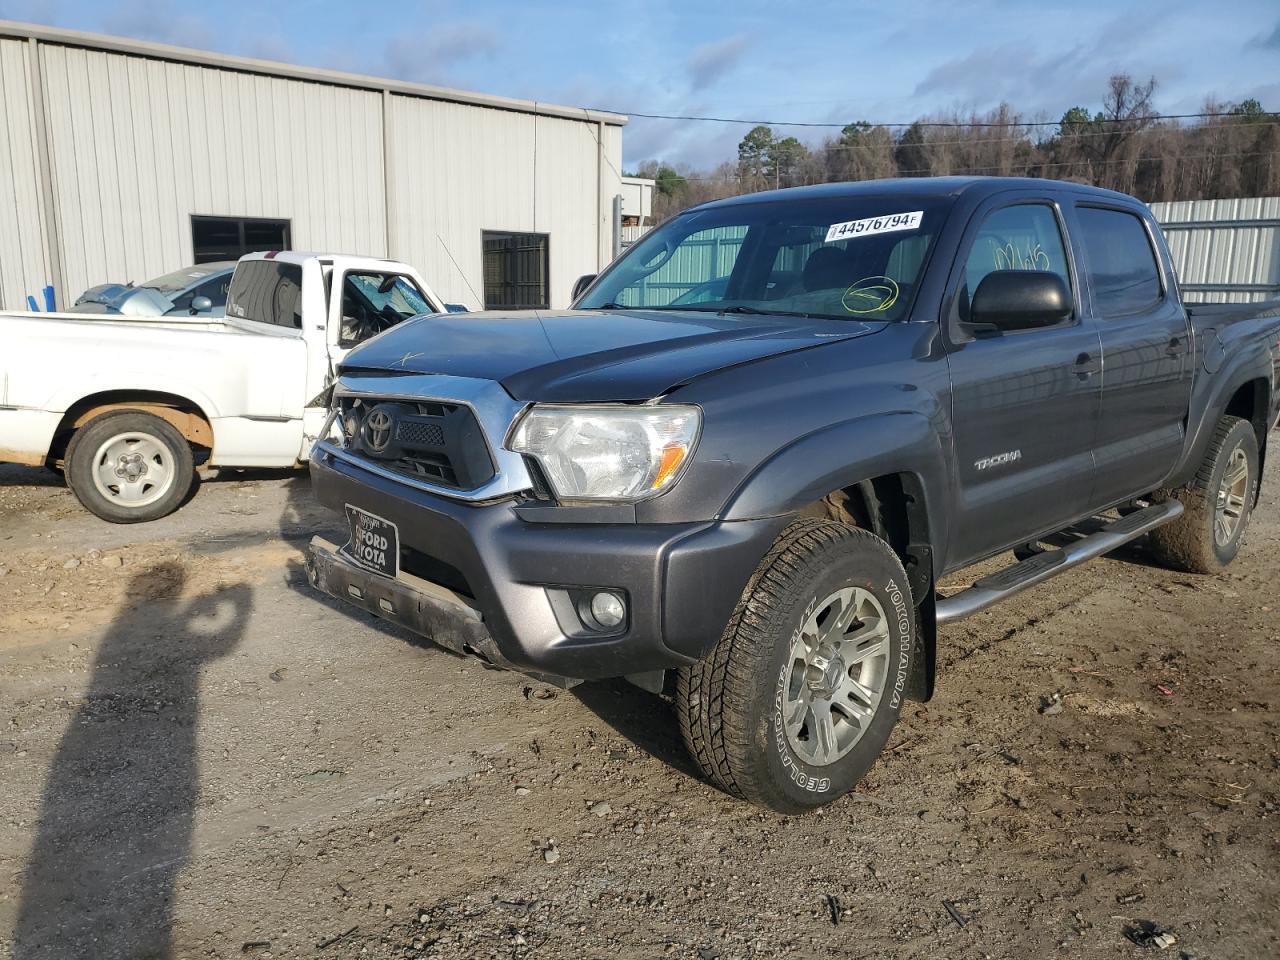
x: 128, y: 467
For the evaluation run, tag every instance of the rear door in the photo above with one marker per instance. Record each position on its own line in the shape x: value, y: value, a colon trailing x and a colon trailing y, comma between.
x: 1024, y: 403
x: 1146, y: 379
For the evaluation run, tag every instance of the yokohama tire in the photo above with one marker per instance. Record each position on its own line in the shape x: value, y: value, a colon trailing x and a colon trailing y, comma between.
x: 1195, y: 542
x: 734, y: 705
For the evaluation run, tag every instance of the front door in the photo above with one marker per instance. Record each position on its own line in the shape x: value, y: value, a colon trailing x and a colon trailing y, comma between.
x: 1025, y: 403
x: 362, y: 304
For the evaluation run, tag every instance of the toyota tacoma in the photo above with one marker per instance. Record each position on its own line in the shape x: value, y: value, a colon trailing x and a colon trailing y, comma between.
x: 746, y: 456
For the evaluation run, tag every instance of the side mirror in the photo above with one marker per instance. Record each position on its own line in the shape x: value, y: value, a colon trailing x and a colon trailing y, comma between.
x: 580, y: 285
x: 456, y: 308
x: 1020, y: 300
x: 201, y: 305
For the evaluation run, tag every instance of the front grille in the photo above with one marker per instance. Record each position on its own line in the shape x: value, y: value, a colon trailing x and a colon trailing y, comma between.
x: 435, y: 441
x: 417, y: 432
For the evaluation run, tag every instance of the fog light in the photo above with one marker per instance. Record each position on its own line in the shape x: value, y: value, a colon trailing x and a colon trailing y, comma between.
x: 608, y: 609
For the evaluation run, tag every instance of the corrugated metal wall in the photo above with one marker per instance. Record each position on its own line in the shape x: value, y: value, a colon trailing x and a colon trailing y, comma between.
x: 1224, y: 250
x: 457, y: 171
x: 137, y: 145
x: 24, y: 267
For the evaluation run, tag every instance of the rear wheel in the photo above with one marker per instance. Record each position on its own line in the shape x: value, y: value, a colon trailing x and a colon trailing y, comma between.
x: 128, y: 467
x: 799, y: 696
x: 1218, y: 503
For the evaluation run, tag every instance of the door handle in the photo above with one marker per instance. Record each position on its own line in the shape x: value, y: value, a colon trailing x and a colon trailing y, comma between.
x: 1087, y: 365
x: 1174, y: 347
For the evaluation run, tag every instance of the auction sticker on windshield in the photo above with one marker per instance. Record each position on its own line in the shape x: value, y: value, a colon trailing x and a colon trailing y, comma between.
x: 375, y: 543
x: 865, y: 228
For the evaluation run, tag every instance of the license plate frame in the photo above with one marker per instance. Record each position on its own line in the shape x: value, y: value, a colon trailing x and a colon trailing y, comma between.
x: 374, y: 542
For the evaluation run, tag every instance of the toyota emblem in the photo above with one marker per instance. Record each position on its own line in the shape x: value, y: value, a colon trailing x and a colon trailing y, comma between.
x: 377, y: 431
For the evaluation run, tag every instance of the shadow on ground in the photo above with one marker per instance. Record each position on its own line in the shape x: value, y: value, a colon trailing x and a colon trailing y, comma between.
x: 116, y: 816
x: 645, y: 719
x: 15, y: 475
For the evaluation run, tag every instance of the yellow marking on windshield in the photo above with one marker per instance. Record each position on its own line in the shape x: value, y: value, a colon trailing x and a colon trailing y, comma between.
x: 870, y: 295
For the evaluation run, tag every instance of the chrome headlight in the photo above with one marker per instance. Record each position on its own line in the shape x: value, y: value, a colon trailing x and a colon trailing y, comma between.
x: 608, y: 452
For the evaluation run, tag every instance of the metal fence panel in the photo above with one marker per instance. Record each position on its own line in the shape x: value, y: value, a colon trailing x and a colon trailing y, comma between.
x: 1224, y: 250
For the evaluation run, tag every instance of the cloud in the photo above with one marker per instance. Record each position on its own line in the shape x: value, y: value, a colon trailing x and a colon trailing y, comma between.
x: 430, y: 56
x: 1018, y: 75
x: 161, y: 21
x: 1271, y: 42
x: 32, y: 11
x: 711, y: 61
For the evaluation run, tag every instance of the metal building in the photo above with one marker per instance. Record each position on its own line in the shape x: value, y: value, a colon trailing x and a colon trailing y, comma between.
x: 1226, y: 250
x: 122, y: 160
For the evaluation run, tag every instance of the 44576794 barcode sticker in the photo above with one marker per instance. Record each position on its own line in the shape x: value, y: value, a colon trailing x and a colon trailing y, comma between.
x: 863, y: 228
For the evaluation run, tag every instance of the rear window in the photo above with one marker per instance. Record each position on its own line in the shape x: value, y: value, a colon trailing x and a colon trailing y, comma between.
x: 268, y: 292
x: 1119, y: 260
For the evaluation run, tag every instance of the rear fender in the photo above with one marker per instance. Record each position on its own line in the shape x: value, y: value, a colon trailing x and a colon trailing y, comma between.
x: 1250, y: 365
x: 135, y: 383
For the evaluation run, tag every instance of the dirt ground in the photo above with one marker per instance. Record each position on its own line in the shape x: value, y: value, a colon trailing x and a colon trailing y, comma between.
x: 201, y: 758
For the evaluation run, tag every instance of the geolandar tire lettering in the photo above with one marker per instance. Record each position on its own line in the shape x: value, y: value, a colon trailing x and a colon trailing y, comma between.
x: 1217, y: 503
x: 799, y: 696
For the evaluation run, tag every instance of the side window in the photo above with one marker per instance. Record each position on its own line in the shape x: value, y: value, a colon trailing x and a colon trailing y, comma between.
x: 696, y: 271
x: 1120, y: 262
x: 372, y: 302
x: 267, y: 291
x: 1021, y: 237
x: 215, y: 289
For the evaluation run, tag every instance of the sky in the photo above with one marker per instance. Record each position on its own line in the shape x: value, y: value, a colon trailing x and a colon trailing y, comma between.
x: 822, y: 61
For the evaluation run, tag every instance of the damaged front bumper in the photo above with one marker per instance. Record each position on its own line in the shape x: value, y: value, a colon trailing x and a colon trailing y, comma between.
x: 482, y: 579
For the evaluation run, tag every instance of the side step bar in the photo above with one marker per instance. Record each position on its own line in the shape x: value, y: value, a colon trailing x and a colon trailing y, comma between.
x: 1005, y: 583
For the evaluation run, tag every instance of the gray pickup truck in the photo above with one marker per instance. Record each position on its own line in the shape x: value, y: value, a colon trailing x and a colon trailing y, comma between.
x: 746, y: 456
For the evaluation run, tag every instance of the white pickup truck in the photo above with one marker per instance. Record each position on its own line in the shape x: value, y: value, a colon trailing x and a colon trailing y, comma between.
x: 130, y: 407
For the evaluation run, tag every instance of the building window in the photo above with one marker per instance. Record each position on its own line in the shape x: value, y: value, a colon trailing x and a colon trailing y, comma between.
x: 230, y: 238
x: 516, y: 270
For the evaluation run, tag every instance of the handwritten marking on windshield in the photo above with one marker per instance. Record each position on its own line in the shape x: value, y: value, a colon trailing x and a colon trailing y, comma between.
x: 870, y: 295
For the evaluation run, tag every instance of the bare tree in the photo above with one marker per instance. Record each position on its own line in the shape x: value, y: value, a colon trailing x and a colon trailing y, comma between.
x: 1234, y: 150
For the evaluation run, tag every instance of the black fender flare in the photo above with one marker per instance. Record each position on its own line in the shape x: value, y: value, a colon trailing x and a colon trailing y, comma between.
x: 1243, y: 368
x: 846, y: 453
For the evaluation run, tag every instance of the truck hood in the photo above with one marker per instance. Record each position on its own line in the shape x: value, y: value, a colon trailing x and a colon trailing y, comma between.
x: 583, y: 356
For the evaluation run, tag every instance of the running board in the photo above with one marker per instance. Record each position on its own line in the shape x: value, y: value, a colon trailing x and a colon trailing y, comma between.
x: 1027, y: 573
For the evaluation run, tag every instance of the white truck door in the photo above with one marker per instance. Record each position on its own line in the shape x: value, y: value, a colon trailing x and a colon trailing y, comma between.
x: 364, y: 298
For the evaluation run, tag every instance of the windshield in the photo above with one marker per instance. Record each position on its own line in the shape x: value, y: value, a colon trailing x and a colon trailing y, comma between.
x: 386, y: 292
x: 841, y: 258
x: 178, y: 280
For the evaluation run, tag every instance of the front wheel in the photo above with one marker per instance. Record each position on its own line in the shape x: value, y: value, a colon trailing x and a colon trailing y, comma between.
x: 128, y: 467
x: 799, y: 696
x: 1217, y: 503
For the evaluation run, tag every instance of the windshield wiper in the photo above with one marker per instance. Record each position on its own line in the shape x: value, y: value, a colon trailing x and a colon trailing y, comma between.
x: 756, y: 311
